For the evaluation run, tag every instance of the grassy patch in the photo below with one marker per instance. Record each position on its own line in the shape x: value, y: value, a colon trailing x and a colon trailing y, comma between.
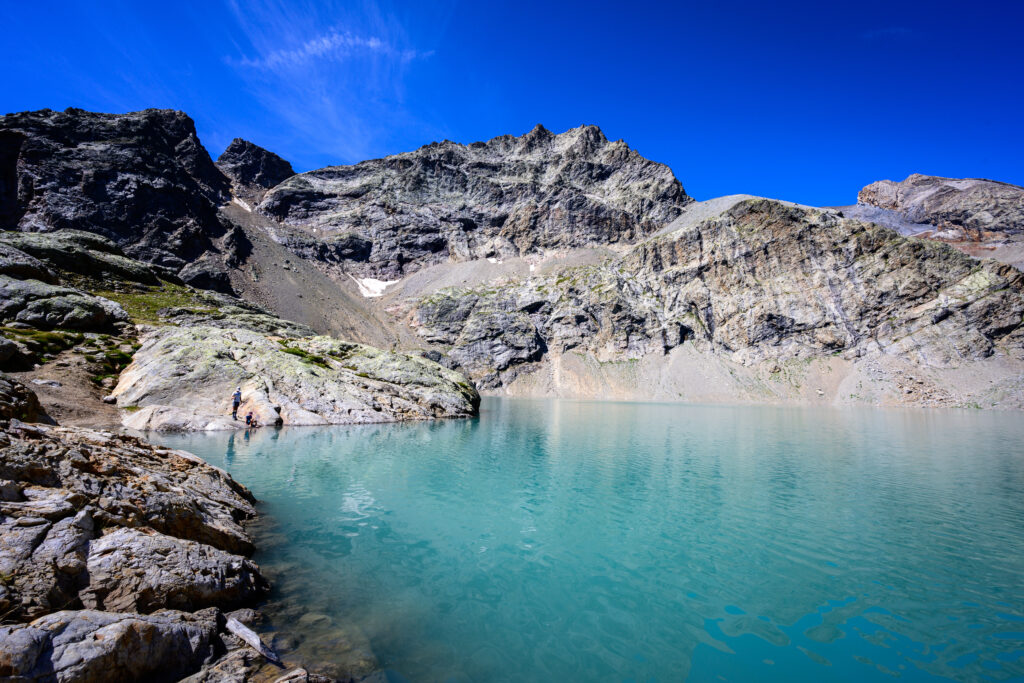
x: 319, y: 361
x: 43, y: 346
x: 142, y: 304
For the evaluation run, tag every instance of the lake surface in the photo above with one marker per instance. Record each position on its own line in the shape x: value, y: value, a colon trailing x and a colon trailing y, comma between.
x: 589, y: 541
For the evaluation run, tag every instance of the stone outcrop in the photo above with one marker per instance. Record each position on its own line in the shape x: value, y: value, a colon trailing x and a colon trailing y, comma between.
x: 17, y: 264
x: 88, y: 646
x: 252, y: 169
x: 45, y: 306
x: 103, y: 538
x: 960, y: 209
x: 753, y: 281
x: 496, y: 199
x: 142, y: 180
x: 80, y: 507
x: 132, y: 570
x: 183, y: 378
x: 82, y: 253
x: 117, y: 557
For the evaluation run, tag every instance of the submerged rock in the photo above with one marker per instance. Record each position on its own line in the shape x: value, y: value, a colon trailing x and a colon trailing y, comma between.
x: 183, y: 378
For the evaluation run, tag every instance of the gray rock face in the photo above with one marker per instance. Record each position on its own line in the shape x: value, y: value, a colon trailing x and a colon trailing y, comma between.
x: 79, y: 252
x: 46, y: 306
x: 142, y: 180
x: 183, y: 378
x: 505, y: 197
x: 131, y: 570
x: 20, y: 266
x: 959, y: 208
x: 92, y: 647
x: 252, y: 169
x: 754, y: 280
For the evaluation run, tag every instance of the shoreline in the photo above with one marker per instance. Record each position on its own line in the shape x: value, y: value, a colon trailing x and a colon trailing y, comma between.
x: 109, y: 539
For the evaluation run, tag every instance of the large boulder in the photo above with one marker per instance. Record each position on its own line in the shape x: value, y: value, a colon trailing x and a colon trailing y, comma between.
x: 47, y: 306
x: 501, y: 198
x: 183, y: 378
x: 19, y: 265
x: 136, y: 570
x: 94, y: 647
x: 80, y: 252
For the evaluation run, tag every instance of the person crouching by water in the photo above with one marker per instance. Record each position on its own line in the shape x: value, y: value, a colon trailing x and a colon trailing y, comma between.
x: 248, y: 419
x: 254, y: 423
x: 236, y: 400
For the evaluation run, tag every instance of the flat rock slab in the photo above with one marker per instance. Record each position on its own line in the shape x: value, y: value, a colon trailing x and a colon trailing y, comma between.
x: 89, y: 646
x: 133, y: 570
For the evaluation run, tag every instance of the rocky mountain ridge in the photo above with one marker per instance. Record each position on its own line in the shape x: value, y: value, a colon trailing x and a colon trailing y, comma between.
x: 505, y: 197
x: 252, y: 169
x: 983, y: 218
x: 751, y: 283
x: 518, y: 254
x: 143, y: 180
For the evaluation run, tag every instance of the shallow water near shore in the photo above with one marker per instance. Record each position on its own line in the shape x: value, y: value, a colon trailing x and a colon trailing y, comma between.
x: 589, y: 541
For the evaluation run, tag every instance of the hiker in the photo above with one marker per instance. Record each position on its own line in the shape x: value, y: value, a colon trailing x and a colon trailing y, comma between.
x: 236, y: 400
x: 248, y: 418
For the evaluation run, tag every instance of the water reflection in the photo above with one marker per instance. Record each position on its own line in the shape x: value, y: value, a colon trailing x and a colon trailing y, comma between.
x: 569, y: 540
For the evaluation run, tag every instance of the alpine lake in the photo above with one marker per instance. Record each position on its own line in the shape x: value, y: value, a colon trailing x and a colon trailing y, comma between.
x: 555, y: 540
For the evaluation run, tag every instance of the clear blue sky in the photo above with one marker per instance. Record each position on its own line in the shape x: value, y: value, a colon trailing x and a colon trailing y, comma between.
x: 806, y: 101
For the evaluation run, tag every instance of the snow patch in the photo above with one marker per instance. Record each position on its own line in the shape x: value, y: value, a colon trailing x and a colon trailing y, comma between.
x: 241, y: 203
x: 371, y: 287
x: 491, y: 259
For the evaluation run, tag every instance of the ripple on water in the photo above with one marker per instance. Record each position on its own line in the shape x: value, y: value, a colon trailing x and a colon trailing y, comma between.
x: 562, y: 540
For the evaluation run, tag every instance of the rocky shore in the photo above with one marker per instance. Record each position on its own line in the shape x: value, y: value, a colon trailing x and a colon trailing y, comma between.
x: 121, y: 560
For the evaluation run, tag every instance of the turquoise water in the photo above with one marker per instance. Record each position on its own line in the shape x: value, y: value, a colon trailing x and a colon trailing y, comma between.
x: 587, y: 541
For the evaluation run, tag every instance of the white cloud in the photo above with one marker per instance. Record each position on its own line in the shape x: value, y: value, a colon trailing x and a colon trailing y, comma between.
x: 333, y: 45
x: 334, y: 74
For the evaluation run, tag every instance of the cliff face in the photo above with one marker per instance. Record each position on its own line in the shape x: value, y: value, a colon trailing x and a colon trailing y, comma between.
x: 142, y: 180
x: 497, y: 199
x: 751, y: 282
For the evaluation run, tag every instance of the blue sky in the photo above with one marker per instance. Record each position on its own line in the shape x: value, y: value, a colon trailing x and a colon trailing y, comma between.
x: 806, y: 101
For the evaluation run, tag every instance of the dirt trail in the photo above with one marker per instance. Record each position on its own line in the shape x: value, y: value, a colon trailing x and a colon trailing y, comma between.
x: 74, y: 401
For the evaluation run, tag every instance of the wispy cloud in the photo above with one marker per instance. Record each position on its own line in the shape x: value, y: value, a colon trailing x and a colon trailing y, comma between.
x: 333, y: 45
x: 887, y: 33
x: 335, y: 74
